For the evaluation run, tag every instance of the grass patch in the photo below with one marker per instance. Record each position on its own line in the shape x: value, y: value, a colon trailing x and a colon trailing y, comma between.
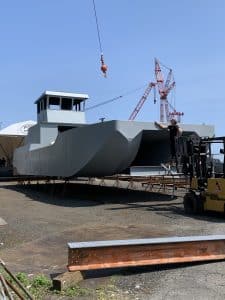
x: 40, y: 286
x: 108, y: 291
x: 75, y: 291
x: 23, y: 278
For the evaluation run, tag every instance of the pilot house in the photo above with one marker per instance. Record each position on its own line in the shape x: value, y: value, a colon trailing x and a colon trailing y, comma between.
x: 60, y: 107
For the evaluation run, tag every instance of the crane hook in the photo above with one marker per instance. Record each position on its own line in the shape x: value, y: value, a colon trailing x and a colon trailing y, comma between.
x: 104, y: 67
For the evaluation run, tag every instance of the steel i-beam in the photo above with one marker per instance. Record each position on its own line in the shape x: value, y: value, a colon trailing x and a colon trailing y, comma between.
x: 141, y: 252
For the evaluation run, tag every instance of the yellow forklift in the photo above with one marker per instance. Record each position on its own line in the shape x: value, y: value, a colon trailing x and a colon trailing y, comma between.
x: 207, y: 175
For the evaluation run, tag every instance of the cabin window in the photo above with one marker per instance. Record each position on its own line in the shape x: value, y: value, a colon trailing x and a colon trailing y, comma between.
x: 66, y: 104
x: 76, y: 105
x: 44, y: 103
x: 54, y: 103
x: 38, y: 107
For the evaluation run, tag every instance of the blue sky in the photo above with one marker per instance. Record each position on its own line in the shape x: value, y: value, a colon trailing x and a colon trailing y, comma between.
x: 53, y: 45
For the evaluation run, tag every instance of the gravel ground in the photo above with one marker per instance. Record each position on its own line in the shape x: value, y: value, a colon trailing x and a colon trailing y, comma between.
x: 42, y: 219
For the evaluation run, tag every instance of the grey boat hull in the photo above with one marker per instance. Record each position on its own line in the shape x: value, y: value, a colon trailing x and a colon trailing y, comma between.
x: 100, y: 149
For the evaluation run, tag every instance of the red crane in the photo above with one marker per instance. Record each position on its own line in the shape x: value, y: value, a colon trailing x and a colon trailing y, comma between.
x: 164, y: 89
x: 142, y: 100
x: 176, y: 115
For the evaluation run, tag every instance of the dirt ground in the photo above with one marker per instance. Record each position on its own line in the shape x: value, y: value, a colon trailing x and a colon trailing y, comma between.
x: 42, y: 219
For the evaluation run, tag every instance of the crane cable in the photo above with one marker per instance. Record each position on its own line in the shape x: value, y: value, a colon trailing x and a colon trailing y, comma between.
x: 103, y: 65
x: 166, y: 67
x: 97, y: 26
x: 115, y: 98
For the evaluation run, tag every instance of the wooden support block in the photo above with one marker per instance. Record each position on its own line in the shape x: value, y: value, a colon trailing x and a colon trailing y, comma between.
x: 66, y: 280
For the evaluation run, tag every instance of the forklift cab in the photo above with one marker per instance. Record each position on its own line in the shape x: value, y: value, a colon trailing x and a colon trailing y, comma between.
x: 203, y: 158
x: 205, y: 164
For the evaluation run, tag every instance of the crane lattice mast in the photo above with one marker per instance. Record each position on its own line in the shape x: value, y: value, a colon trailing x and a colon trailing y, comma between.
x: 142, y: 100
x: 164, y: 89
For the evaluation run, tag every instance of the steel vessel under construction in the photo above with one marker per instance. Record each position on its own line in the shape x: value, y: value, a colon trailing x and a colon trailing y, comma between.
x: 62, y: 144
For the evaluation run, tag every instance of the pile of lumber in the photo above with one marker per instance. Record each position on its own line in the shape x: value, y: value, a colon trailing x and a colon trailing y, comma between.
x: 10, y: 287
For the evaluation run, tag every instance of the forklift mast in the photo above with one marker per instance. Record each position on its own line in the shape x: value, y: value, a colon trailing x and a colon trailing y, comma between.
x: 196, y: 158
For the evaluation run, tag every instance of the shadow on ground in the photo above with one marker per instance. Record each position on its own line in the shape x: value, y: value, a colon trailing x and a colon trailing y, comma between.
x: 85, y: 195
x: 141, y: 269
x: 173, y: 209
x: 75, y: 194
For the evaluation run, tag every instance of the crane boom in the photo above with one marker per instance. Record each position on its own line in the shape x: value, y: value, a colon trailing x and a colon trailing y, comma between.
x: 142, y: 101
x: 170, y: 87
x: 158, y: 75
x: 169, y: 77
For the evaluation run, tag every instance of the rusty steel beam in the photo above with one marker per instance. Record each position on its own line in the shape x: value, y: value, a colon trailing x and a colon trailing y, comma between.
x: 141, y: 252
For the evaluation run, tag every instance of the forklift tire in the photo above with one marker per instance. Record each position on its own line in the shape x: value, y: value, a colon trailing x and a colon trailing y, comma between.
x: 188, y: 204
x: 200, y: 204
x: 191, y: 204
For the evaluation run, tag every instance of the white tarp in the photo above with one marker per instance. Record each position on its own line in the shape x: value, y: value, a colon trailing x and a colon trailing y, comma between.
x: 12, y: 137
x: 16, y: 129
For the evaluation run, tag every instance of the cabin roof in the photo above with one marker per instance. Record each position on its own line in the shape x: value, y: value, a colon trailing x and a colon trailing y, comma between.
x: 63, y: 94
